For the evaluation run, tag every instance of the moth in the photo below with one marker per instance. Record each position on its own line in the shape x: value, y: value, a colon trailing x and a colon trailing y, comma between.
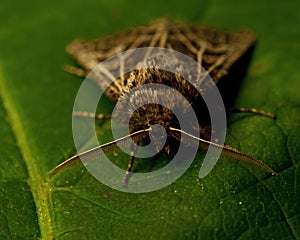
x: 217, y: 51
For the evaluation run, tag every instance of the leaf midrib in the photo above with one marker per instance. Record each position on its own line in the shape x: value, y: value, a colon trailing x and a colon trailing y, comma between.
x: 39, y: 187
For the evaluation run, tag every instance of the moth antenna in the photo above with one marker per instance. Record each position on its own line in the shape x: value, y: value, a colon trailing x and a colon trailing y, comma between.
x: 226, y: 149
x: 251, y: 110
x: 96, y: 152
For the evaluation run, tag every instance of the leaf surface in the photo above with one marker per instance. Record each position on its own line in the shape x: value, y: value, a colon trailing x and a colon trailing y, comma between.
x: 233, y: 202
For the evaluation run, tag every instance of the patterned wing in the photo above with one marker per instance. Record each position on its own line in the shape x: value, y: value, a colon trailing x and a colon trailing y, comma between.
x: 215, y: 50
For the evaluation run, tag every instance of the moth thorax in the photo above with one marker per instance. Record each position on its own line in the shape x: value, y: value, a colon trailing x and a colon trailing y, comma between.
x: 149, y: 115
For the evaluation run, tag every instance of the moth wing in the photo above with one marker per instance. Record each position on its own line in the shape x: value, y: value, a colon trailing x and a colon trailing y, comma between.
x: 215, y: 50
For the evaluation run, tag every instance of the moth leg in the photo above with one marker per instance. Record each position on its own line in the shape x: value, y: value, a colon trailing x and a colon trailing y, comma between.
x: 133, y: 150
x: 250, y: 110
x: 91, y: 115
x: 79, y: 72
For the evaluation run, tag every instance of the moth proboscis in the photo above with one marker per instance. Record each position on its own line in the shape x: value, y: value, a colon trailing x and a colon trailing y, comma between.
x: 217, y: 51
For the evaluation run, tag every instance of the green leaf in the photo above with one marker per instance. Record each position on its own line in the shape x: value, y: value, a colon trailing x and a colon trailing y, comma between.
x: 233, y: 201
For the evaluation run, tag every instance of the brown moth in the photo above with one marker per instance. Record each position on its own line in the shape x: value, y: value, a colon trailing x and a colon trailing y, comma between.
x: 217, y: 51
